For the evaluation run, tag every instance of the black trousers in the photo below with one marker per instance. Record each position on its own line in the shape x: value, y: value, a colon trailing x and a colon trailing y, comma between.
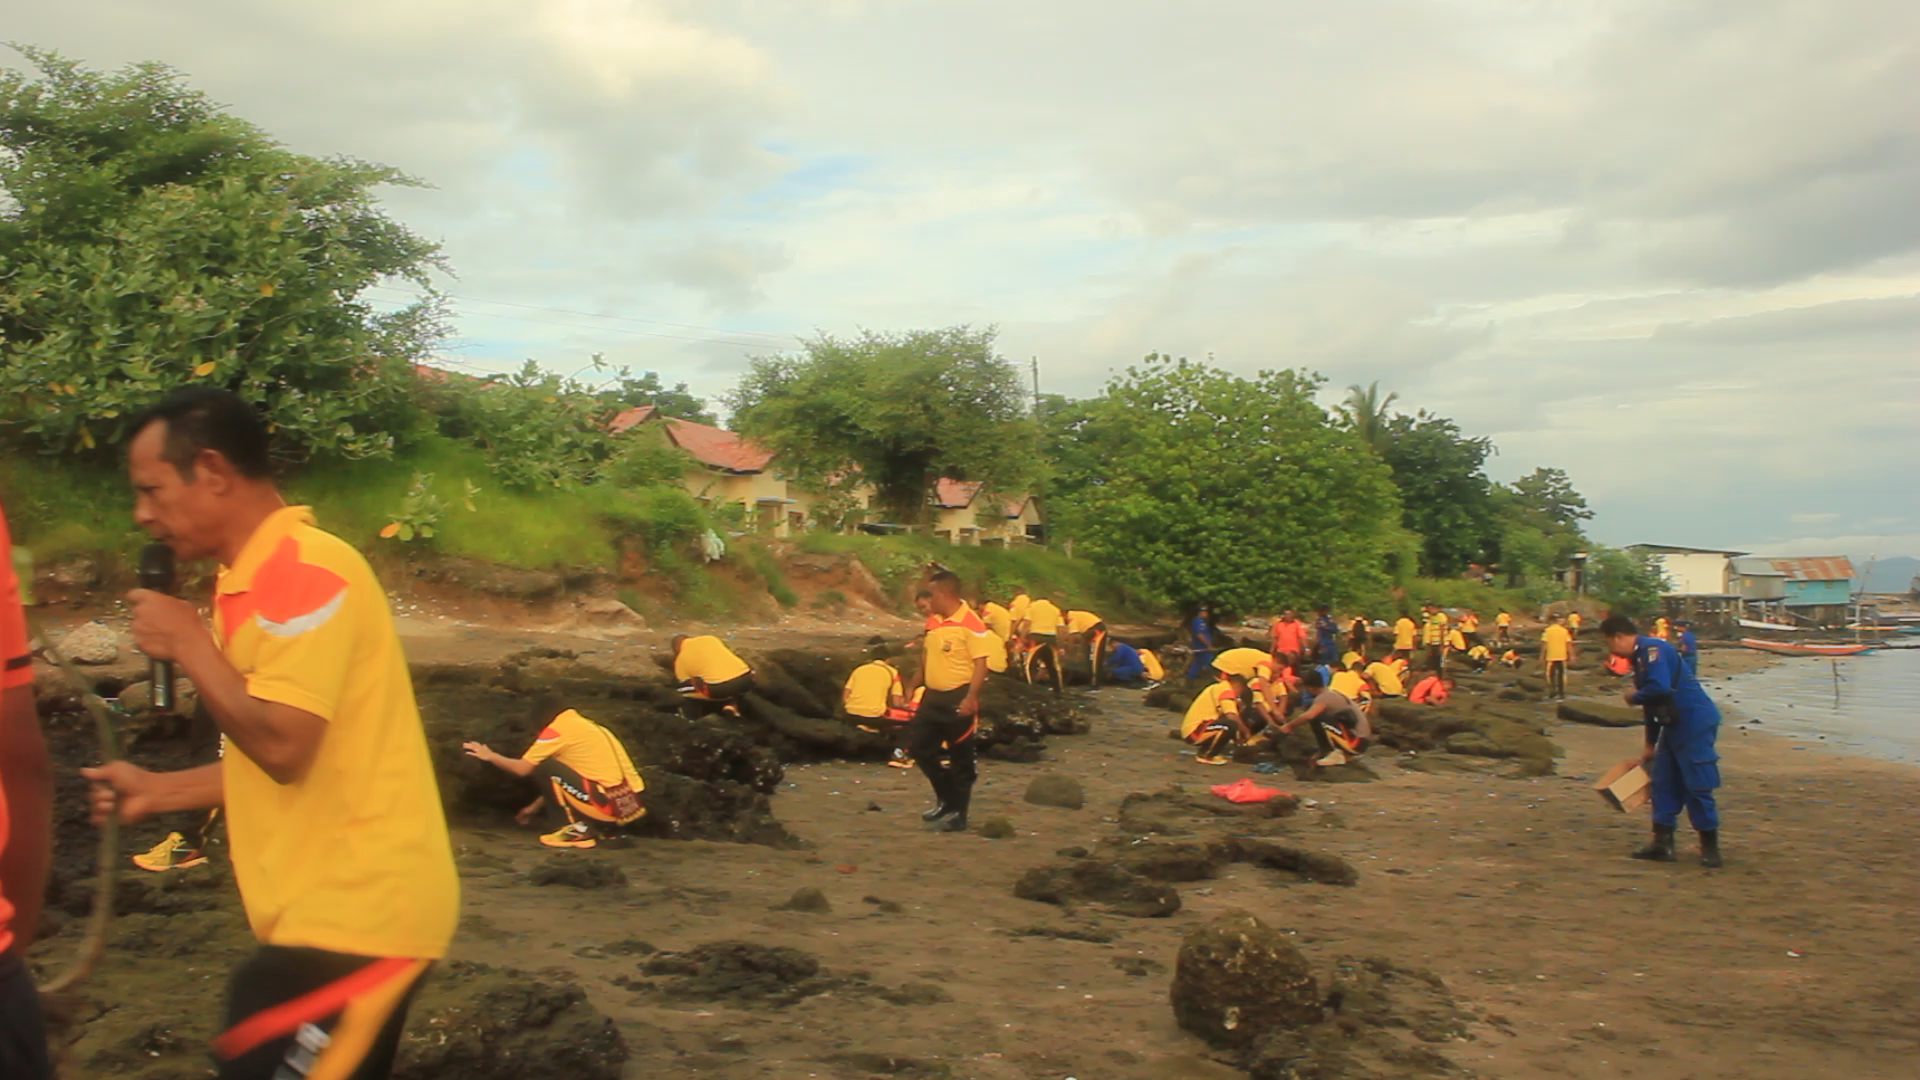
x: 939, y: 731
x: 1436, y: 658
x: 23, y: 1032
x: 571, y: 798
x: 1557, y: 678
x: 717, y: 696
x: 288, y: 1007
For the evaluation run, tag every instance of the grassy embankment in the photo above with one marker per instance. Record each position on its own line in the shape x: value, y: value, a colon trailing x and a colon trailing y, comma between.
x: 62, y: 508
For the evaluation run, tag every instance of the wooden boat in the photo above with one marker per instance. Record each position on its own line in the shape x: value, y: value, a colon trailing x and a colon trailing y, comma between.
x: 1795, y: 648
x: 1778, y: 628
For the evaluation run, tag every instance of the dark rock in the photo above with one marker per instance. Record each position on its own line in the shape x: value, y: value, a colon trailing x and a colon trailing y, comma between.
x: 809, y: 901
x: 1099, y: 882
x: 1053, y: 789
x: 1175, y: 862
x: 1602, y: 714
x: 578, y: 870
x: 1237, y: 978
x: 474, y: 1022
x: 1065, y: 933
x: 739, y: 971
x: 1075, y: 852
x: 914, y: 994
x: 1175, y: 811
x: 1138, y: 966
x: 998, y: 828
x: 885, y: 907
x: 1314, y: 866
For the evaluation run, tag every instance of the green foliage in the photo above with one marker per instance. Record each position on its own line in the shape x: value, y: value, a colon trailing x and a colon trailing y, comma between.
x: 1445, y: 498
x: 988, y: 572
x: 1629, y: 582
x: 1547, y: 495
x: 539, y: 430
x: 1365, y: 413
x: 830, y: 600
x: 897, y: 411
x: 420, y: 510
x: 642, y: 461
x: 153, y: 241
x: 627, y: 390
x: 1199, y: 485
x: 767, y: 568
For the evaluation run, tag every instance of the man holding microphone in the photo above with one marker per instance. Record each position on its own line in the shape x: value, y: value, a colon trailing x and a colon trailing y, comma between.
x: 339, y: 845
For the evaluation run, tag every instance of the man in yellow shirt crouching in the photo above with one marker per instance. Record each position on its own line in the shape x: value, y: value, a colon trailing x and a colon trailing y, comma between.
x: 585, y: 774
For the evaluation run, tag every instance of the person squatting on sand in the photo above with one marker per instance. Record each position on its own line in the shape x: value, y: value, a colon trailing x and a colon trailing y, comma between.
x: 587, y: 780
x: 712, y: 679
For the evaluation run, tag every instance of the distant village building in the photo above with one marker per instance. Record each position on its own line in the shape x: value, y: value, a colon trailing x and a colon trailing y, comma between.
x: 732, y: 469
x: 1691, y: 571
x: 1818, y: 590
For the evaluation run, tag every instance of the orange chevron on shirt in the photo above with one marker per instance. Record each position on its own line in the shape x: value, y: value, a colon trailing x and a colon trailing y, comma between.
x: 289, y: 596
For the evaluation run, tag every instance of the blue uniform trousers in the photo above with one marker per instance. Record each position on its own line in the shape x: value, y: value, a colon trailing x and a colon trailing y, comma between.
x: 1685, y: 771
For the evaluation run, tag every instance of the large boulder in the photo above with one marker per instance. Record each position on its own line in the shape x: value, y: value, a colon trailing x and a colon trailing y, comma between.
x: 1601, y: 713
x: 1238, y: 979
x: 1097, y: 881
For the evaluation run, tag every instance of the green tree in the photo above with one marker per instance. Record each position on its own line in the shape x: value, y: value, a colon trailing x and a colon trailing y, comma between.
x: 539, y: 430
x: 152, y: 240
x: 1538, y: 521
x: 1445, y: 497
x: 1549, y: 493
x: 627, y: 390
x: 1366, y: 413
x: 897, y: 411
x: 1629, y: 582
x: 1200, y: 485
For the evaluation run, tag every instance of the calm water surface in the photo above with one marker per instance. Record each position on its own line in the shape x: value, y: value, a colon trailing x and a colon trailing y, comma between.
x: 1860, y: 704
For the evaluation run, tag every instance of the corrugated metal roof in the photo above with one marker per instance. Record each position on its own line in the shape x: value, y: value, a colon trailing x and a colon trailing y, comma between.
x: 1816, y: 568
x: 1754, y: 566
x: 717, y: 448
x: 1669, y: 549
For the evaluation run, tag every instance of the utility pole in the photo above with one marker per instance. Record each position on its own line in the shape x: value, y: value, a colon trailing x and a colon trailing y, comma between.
x: 1036, y: 385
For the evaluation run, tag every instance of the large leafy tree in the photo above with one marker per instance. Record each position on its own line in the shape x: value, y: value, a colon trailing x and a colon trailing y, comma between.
x: 1445, y: 496
x: 1203, y: 486
x: 1539, y: 520
x: 1549, y: 495
x: 626, y: 389
x: 1629, y: 582
x: 150, y: 240
x: 897, y: 411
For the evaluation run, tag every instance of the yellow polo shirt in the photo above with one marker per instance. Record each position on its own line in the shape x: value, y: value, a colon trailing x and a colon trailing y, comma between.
x: 1079, y: 622
x: 1151, y: 663
x: 870, y: 688
x: 1503, y: 619
x: 998, y: 619
x: 1556, y: 643
x: 708, y: 658
x: 1436, y: 628
x: 1044, y: 617
x: 1574, y: 620
x: 1349, y: 683
x: 354, y: 856
x: 1403, y: 632
x: 1249, y: 664
x: 1456, y: 640
x: 1387, y: 678
x: 1217, y: 700
x: 586, y: 748
x: 952, y: 645
x: 1019, y: 606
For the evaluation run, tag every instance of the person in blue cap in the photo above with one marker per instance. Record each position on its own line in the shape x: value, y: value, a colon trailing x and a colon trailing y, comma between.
x: 1689, y: 648
x: 1682, y: 724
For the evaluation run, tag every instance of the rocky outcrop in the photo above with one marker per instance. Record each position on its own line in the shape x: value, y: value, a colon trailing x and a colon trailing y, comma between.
x: 1101, y: 883
x: 1238, y: 979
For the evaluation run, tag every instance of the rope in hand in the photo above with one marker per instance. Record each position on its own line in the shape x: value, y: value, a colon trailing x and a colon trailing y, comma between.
x: 107, y: 877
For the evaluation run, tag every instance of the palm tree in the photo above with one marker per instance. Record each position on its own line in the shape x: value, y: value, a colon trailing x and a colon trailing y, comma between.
x: 1366, y: 413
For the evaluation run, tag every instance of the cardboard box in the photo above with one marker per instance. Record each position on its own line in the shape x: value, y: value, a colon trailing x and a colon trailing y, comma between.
x: 1626, y: 786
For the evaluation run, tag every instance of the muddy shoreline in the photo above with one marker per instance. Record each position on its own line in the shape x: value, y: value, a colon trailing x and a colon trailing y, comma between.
x: 1560, y: 957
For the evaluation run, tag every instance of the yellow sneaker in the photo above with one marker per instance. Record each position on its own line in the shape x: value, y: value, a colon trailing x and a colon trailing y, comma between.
x: 571, y: 836
x: 1214, y: 760
x: 1333, y: 757
x: 169, y: 854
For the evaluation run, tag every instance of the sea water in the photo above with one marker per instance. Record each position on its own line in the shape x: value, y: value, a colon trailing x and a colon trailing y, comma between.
x: 1861, y: 704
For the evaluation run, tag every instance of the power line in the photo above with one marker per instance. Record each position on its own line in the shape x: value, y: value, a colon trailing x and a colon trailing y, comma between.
x: 730, y: 334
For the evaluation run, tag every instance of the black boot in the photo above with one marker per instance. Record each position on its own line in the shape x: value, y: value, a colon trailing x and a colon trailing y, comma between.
x: 962, y: 796
x: 1661, y: 847
x: 942, y: 800
x: 1710, y: 848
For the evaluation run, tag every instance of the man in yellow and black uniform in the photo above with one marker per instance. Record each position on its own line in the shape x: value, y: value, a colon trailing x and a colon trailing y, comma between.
x: 1089, y: 632
x: 1213, y: 723
x: 1433, y: 634
x: 953, y: 668
x: 584, y: 772
x: 875, y: 699
x: 339, y: 846
x: 712, y: 679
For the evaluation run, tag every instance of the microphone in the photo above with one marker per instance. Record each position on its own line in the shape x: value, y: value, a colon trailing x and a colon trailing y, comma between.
x: 156, y: 573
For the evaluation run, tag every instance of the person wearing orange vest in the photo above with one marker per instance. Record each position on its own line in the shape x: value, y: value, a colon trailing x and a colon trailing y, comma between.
x: 26, y: 833
x: 1432, y: 690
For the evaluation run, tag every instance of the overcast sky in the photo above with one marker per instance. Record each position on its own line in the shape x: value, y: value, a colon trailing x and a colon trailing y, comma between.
x: 1671, y: 246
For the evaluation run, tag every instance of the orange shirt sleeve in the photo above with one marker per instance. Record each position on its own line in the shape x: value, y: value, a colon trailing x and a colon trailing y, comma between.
x: 16, y: 659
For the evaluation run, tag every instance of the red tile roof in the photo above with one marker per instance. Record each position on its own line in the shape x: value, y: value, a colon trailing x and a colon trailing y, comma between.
x: 718, y: 449
x: 629, y: 419
x: 955, y: 494
x: 1817, y: 568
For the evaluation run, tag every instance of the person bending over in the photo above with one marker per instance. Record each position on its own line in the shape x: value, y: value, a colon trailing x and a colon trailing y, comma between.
x: 875, y: 699
x: 1213, y: 723
x: 1088, y: 632
x: 1340, y: 727
x: 587, y: 781
x: 712, y: 679
x: 1432, y: 690
x: 1126, y: 666
x: 1386, y: 679
x: 1682, y: 726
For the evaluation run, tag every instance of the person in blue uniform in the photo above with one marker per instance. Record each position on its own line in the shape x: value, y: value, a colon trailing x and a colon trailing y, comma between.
x: 1689, y: 648
x: 1200, y: 640
x: 1682, y: 725
x: 1326, y: 635
x: 1124, y: 665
